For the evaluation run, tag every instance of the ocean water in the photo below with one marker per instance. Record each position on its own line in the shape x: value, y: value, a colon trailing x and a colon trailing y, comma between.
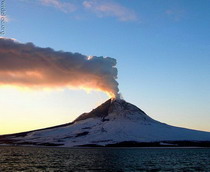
x: 103, y: 159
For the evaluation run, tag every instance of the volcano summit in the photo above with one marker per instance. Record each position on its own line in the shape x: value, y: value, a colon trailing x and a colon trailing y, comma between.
x: 114, y: 123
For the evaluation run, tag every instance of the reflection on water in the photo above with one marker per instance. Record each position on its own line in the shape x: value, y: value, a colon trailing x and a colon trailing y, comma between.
x: 103, y: 159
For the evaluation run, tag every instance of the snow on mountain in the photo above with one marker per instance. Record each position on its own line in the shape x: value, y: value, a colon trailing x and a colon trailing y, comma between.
x: 112, y: 122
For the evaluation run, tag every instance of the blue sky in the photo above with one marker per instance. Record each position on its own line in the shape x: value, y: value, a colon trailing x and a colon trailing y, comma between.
x: 162, y: 48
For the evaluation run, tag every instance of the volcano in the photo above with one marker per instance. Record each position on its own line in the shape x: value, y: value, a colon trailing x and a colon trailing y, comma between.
x: 113, y: 123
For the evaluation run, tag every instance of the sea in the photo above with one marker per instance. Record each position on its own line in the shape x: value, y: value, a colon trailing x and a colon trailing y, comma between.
x: 14, y: 159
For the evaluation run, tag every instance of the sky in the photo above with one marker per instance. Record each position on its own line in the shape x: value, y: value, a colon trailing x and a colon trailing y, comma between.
x: 162, y: 48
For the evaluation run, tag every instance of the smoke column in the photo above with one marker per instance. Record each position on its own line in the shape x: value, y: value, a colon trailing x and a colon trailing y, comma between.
x: 27, y: 65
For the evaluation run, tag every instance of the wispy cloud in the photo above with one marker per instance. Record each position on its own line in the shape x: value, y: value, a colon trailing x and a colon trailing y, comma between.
x: 176, y: 15
x: 66, y: 7
x: 101, y: 8
x: 105, y: 8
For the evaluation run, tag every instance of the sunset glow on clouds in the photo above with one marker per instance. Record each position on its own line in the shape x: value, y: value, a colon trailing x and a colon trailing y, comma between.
x: 26, y: 65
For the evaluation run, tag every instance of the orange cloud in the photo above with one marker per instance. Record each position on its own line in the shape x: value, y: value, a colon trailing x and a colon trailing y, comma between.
x: 30, y: 66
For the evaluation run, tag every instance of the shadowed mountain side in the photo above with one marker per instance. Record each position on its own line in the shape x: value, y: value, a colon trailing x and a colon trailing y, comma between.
x: 100, y: 112
x: 113, y: 123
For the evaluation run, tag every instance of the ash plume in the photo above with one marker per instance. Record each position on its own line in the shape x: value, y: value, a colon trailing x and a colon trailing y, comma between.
x: 27, y: 65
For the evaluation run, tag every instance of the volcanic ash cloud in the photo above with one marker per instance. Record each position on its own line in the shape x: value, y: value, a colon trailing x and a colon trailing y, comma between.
x: 27, y: 65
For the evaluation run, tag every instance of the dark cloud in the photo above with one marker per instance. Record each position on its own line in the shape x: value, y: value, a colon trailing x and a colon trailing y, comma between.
x: 32, y: 66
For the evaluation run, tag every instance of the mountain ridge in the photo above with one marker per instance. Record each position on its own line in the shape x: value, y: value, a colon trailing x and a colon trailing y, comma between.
x: 115, y: 122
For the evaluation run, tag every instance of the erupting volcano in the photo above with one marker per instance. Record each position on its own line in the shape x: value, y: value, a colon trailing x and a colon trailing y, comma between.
x: 114, y: 123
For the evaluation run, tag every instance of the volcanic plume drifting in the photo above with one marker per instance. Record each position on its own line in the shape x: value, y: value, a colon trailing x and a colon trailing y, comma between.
x: 30, y: 66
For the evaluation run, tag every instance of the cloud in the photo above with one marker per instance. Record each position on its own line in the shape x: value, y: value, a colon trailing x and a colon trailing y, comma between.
x: 27, y: 65
x: 105, y: 8
x: 101, y: 8
x: 175, y: 15
x: 66, y: 7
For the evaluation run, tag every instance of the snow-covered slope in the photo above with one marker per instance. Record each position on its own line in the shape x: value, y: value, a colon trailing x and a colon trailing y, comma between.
x: 113, y: 122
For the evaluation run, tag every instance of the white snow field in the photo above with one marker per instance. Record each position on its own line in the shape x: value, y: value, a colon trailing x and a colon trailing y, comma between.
x: 112, y: 122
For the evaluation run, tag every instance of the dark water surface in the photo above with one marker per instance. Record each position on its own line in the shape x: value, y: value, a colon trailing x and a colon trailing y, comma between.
x: 103, y: 159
